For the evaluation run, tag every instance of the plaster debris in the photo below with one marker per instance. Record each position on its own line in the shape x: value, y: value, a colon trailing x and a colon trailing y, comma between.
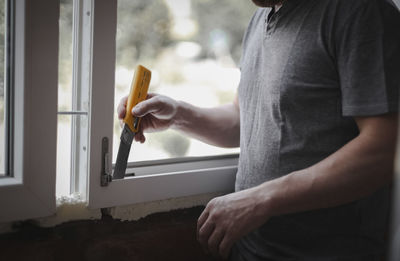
x: 70, y: 208
x: 141, y: 210
x: 74, y: 207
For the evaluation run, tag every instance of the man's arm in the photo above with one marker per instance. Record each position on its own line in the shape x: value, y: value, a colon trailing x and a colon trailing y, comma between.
x: 219, y: 126
x: 356, y: 170
x: 361, y: 167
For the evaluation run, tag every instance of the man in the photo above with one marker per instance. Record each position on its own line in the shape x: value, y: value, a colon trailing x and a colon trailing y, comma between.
x: 316, y: 117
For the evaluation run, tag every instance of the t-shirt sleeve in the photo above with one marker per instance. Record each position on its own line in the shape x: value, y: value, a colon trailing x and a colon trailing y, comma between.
x: 368, y: 59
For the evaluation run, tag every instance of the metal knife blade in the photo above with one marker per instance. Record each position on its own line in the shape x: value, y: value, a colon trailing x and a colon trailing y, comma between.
x: 123, y: 152
x: 138, y: 93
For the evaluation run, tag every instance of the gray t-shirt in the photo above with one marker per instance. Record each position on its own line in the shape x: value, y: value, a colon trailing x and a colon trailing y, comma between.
x: 306, y: 71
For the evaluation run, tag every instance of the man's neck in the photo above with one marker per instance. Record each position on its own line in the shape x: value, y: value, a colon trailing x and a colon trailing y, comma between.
x: 277, y: 7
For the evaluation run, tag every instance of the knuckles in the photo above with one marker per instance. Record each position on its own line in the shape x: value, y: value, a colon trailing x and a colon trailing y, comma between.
x: 214, y: 216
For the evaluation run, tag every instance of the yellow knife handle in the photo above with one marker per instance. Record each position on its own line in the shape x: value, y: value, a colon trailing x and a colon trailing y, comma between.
x: 139, y: 88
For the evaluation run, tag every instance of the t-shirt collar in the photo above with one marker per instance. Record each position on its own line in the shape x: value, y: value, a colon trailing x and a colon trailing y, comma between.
x: 287, y: 6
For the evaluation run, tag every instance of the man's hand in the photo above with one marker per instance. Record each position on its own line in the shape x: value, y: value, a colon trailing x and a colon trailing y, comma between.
x: 158, y: 112
x: 217, y: 126
x: 228, y: 218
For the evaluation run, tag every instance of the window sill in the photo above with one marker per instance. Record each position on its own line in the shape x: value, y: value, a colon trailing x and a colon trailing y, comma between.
x: 167, y: 181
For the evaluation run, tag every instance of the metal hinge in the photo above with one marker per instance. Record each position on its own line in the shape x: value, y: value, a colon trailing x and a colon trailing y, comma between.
x: 105, y: 177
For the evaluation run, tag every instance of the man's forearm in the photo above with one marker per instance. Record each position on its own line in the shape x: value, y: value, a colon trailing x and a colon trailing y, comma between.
x: 359, y: 168
x: 219, y: 126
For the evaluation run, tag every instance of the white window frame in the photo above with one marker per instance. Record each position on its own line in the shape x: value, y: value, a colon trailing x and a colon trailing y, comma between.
x: 161, y: 181
x: 81, y: 53
x: 30, y: 191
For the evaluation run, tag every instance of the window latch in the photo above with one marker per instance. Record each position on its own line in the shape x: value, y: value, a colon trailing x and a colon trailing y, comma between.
x: 105, y: 176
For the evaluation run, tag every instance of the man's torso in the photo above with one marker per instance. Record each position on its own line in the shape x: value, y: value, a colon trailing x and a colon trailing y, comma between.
x: 292, y: 111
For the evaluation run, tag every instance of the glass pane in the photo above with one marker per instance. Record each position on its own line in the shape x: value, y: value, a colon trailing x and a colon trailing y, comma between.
x: 64, y: 126
x: 2, y: 87
x: 65, y: 56
x: 193, y: 48
x: 63, y: 179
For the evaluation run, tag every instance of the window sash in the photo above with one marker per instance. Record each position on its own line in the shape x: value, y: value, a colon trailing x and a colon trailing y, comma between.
x: 158, y: 180
x: 81, y: 49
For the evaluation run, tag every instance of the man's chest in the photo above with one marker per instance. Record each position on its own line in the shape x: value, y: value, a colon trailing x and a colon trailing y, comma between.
x: 287, y: 59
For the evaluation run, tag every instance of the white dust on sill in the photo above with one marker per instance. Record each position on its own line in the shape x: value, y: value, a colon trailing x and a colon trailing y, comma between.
x: 70, y: 208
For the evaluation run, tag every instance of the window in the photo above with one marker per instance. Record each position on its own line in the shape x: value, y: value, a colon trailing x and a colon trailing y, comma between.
x: 86, y: 57
x: 73, y: 97
x: 31, y: 75
x: 191, y: 47
x: 65, y: 116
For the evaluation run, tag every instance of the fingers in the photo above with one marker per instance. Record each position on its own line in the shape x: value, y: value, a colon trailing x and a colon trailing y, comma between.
x: 214, y: 232
x: 215, y: 240
x: 225, y: 247
x: 122, y: 107
x: 204, y: 234
x: 139, y: 137
x: 150, y: 105
x: 203, y: 217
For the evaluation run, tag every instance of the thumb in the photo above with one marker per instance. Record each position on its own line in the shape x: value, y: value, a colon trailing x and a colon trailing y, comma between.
x: 145, y: 107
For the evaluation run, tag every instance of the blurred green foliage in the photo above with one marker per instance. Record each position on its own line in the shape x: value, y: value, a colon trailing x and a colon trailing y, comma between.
x: 226, y: 19
x: 65, y: 44
x: 144, y: 27
x: 143, y: 30
x: 172, y: 142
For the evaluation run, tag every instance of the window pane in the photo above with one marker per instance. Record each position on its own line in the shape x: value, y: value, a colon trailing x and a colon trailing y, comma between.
x: 63, y: 178
x: 64, y: 123
x: 65, y: 56
x: 193, y: 48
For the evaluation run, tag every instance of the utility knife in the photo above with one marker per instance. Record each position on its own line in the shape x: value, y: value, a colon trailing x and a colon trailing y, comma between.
x: 138, y: 92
